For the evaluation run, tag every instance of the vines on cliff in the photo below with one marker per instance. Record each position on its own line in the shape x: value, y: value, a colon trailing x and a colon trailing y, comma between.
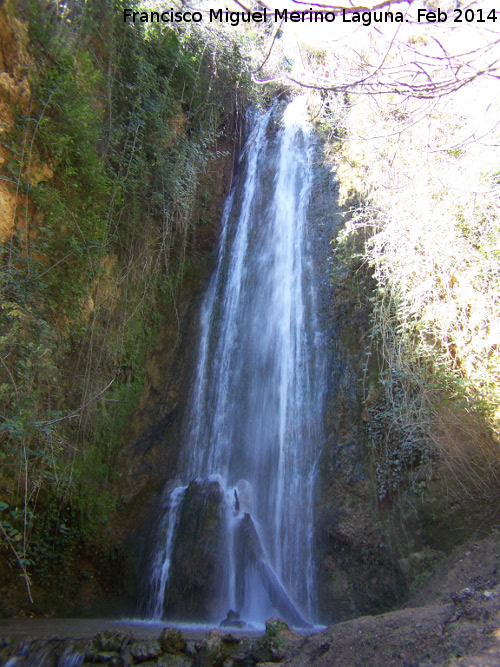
x: 106, y: 166
x: 422, y: 219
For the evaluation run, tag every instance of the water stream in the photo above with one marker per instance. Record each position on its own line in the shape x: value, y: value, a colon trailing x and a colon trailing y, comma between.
x: 256, y: 411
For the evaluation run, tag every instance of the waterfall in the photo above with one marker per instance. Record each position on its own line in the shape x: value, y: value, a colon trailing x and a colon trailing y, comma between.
x: 161, y: 564
x: 256, y: 410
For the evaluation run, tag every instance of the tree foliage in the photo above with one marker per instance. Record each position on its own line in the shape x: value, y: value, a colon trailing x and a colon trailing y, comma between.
x: 106, y: 166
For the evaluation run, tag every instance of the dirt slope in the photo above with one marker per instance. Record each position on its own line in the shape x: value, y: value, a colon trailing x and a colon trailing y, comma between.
x: 453, y: 620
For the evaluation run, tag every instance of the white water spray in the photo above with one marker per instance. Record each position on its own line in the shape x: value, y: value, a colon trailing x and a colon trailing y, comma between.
x: 257, y: 401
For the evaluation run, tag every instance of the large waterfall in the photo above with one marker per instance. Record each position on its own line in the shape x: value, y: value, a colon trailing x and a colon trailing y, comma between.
x: 256, y: 411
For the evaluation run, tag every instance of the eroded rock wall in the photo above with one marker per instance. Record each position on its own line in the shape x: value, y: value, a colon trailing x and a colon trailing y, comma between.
x: 357, y: 573
x: 148, y: 461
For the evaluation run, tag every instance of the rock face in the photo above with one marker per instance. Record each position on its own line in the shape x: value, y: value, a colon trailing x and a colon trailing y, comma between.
x: 14, y: 90
x: 196, y: 572
x: 172, y: 641
x: 357, y: 568
x: 149, y: 458
x: 354, y: 574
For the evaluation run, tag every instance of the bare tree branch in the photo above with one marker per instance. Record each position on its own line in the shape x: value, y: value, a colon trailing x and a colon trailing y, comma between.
x: 270, y: 49
x: 75, y: 412
x: 349, y: 9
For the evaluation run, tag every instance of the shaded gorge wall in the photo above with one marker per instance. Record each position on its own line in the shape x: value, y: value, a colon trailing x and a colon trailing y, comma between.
x: 352, y: 570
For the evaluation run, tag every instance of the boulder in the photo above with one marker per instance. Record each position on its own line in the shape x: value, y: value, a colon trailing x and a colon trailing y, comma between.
x: 278, y: 643
x: 217, y: 649
x: 233, y: 620
x: 197, y: 567
x: 172, y: 640
x: 112, y: 640
x: 148, y: 649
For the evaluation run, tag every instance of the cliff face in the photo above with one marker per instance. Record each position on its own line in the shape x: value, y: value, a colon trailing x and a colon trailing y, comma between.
x: 115, y: 158
x: 116, y: 316
x: 377, y: 548
x: 15, y: 92
x: 154, y: 431
x: 357, y: 569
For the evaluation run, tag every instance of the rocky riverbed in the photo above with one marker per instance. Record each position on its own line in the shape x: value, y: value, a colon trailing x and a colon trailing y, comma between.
x: 453, y: 620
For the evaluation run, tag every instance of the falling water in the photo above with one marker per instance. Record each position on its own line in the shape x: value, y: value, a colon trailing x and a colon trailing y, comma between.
x: 161, y: 564
x: 257, y: 400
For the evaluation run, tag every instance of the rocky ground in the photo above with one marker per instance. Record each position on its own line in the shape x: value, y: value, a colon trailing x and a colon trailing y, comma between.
x: 453, y: 620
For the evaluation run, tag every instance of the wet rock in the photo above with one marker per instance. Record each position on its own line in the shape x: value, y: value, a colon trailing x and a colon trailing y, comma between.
x: 112, y: 640
x: 221, y: 649
x: 25, y: 652
x: 249, y: 549
x: 172, y: 640
x: 275, y: 627
x: 197, y: 564
x: 72, y: 655
x: 278, y: 643
x: 212, y: 650
x: 233, y: 620
x: 145, y: 650
x: 109, y: 647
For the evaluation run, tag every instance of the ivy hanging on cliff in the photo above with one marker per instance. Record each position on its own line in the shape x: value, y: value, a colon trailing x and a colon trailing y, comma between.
x: 104, y: 166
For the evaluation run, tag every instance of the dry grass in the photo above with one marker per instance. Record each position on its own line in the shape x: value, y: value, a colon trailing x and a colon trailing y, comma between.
x: 468, y: 448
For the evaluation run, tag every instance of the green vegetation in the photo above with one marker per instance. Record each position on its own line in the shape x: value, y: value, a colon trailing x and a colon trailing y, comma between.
x: 105, y: 164
x: 106, y: 160
x: 421, y: 246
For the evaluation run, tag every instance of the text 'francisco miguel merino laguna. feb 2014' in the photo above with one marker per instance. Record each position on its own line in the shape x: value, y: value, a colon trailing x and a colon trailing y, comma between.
x: 365, y: 18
